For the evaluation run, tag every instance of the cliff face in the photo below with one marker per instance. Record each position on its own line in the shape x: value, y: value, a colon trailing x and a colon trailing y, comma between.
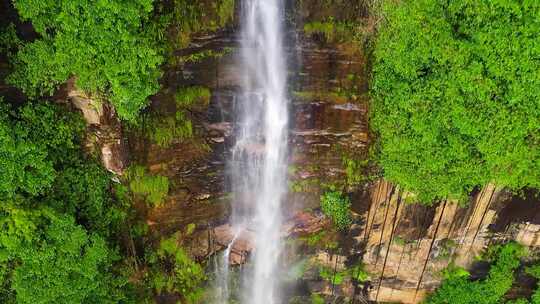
x: 403, y: 245
x: 407, y: 245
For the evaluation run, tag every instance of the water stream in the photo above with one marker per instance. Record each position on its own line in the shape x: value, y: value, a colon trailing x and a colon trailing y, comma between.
x: 259, y: 157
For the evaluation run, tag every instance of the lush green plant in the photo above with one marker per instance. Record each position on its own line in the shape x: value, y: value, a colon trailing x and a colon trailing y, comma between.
x: 533, y: 271
x: 111, y: 47
x: 457, y: 288
x: 337, y: 206
x: 50, y: 193
x: 164, y: 129
x: 65, y: 265
x: 173, y: 271
x: 34, y: 142
x: 9, y: 41
x: 327, y: 274
x: 83, y: 190
x: 316, y: 299
x: 154, y: 188
x: 456, y: 93
x: 359, y: 273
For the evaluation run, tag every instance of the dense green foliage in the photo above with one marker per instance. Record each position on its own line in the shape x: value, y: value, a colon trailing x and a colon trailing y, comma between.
x: 111, y: 47
x: 180, y: 275
x: 457, y: 288
x: 337, y: 206
x: 65, y: 265
x: 56, y: 213
x: 32, y: 147
x: 456, y: 95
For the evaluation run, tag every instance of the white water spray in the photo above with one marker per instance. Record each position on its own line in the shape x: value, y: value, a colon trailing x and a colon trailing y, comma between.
x: 259, y: 157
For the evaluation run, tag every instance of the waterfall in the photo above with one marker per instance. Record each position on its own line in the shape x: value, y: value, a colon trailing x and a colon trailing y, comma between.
x: 259, y: 157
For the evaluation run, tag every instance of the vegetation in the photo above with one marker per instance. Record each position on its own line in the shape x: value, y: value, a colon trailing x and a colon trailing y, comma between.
x: 56, y: 214
x: 456, y: 95
x: 153, y: 189
x: 333, y: 31
x: 181, y: 274
x: 316, y: 299
x: 164, y: 128
x: 356, y: 273
x: 111, y: 47
x: 457, y: 288
x: 337, y: 206
x: 195, y: 96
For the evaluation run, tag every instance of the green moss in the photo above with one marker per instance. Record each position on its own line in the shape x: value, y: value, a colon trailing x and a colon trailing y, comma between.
x: 171, y: 270
x: 309, y: 96
x: 153, y: 188
x: 357, y: 273
x: 314, y: 239
x: 207, y: 54
x: 316, y: 299
x: 189, y: 97
x: 304, y: 185
x: 164, y: 130
x: 327, y: 274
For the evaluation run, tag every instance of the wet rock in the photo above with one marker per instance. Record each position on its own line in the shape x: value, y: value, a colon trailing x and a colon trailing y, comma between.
x: 305, y: 223
x: 224, y: 128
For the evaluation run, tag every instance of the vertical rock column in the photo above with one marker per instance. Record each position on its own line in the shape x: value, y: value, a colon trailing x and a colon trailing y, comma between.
x: 105, y: 130
x: 408, y: 244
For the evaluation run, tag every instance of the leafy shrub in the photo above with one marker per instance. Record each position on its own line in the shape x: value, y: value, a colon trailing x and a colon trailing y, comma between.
x: 66, y: 266
x: 458, y: 289
x: 173, y: 271
x: 455, y: 95
x: 337, y: 206
x: 153, y: 188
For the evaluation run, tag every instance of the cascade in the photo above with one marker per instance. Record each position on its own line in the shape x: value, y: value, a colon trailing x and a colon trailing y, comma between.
x: 258, y: 166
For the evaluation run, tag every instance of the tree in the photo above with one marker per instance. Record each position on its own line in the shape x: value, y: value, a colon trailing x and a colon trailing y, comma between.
x: 111, y: 47
x: 456, y: 95
x: 66, y: 265
x: 49, y: 193
x: 33, y: 142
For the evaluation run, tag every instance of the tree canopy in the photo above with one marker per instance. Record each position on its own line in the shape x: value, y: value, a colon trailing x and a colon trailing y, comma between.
x: 456, y: 95
x: 56, y: 211
x: 110, y: 46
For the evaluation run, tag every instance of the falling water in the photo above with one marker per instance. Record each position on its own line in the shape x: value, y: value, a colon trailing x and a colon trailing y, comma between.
x: 259, y: 162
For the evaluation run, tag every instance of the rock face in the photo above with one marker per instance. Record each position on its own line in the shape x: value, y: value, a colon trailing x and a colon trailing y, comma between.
x: 407, y: 245
x: 105, y: 131
x: 402, y: 245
